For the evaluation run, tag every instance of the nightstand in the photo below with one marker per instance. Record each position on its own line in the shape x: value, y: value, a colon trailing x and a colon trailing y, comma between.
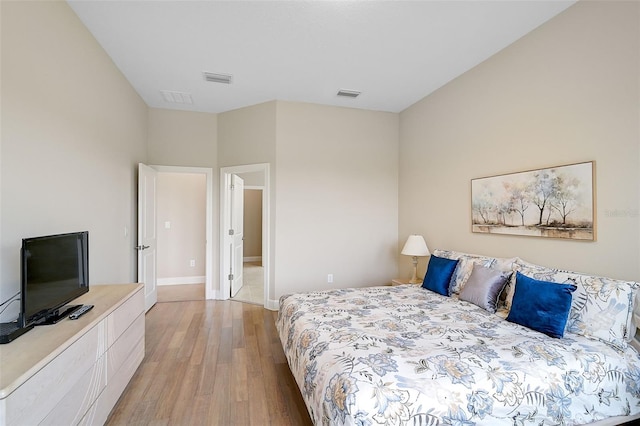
x: 401, y: 281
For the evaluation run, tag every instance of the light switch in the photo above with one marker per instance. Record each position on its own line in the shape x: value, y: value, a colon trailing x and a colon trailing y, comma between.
x: 167, y: 225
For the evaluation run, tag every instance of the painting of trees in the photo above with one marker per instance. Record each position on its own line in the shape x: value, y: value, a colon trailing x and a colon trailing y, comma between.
x: 553, y: 202
x: 544, y: 186
x: 519, y: 196
x: 565, y: 197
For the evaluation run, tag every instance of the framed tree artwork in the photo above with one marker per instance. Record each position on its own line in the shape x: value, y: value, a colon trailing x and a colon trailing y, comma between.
x: 556, y: 202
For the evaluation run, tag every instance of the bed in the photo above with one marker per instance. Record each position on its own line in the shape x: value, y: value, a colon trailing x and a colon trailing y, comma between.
x: 406, y: 355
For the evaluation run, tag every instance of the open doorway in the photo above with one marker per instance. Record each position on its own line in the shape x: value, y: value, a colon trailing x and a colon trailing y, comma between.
x: 252, y: 290
x: 184, y: 228
x: 257, y: 270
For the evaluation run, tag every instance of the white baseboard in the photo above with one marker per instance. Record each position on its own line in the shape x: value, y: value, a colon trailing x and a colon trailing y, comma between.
x: 272, y: 305
x: 252, y: 259
x: 180, y: 280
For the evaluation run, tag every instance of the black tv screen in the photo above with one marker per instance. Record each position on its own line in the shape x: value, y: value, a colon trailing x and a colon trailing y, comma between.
x: 55, y: 270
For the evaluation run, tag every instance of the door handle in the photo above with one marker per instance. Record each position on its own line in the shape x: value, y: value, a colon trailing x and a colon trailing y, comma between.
x: 142, y: 247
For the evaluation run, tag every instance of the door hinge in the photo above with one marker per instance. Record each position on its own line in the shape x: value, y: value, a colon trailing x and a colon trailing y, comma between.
x: 231, y: 232
x: 230, y: 277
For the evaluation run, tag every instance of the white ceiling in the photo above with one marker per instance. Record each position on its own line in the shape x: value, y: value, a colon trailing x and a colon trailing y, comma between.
x: 394, y: 52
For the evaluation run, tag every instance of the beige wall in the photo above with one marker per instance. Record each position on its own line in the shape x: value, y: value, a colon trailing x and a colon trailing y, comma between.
x: 187, y: 139
x: 248, y: 136
x: 335, y: 178
x: 181, y: 199
x: 252, y: 223
x: 183, y: 138
x: 73, y: 131
x: 567, y: 92
x: 337, y: 197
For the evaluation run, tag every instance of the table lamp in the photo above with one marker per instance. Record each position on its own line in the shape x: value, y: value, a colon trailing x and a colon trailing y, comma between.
x: 415, y: 246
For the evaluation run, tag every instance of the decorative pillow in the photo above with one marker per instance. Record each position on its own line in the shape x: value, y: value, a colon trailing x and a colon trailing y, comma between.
x: 635, y: 317
x: 541, y: 305
x: 504, y: 264
x: 522, y: 265
x: 602, y: 308
x: 439, y: 274
x: 464, y: 267
x: 484, y: 286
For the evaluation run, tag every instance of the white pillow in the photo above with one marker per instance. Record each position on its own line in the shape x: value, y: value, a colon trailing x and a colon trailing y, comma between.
x: 601, y: 308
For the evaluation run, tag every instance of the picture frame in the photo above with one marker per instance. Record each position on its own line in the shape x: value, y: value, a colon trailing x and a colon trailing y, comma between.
x: 553, y: 202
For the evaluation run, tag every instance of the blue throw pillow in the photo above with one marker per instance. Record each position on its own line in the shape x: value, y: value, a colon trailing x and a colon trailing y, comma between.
x: 541, y: 305
x: 439, y: 274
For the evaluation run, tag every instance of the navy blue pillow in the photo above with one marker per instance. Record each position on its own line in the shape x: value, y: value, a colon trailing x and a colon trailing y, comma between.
x: 439, y: 274
x: 540, y: 305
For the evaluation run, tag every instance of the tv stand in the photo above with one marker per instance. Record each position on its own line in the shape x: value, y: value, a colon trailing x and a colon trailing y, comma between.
x: 73, y: 372
x: 58, y: 314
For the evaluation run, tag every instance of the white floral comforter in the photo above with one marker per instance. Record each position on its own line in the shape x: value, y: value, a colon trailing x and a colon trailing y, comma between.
x: 404, y: 355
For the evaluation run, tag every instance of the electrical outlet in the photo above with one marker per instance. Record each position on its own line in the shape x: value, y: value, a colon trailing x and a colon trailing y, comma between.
x: 330, y: 278
x: 192, y: 262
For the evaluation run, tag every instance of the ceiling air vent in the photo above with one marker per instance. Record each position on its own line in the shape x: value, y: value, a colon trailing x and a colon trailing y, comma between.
x: 217, y: 78
x: 348, y: 93
x: 176, y: 97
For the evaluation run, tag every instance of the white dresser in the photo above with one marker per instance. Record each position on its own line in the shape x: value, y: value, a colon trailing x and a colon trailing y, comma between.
x: 73, y: 372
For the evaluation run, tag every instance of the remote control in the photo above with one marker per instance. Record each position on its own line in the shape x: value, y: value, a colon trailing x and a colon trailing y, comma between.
x: 80, y: 312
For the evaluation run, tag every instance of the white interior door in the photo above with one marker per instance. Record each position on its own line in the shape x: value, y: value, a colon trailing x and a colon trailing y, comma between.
x: 237, y: 233
x: 147, y: 238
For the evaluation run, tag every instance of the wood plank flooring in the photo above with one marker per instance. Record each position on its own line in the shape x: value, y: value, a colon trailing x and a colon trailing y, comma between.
x: 180, y: 293
x: 211, y: 363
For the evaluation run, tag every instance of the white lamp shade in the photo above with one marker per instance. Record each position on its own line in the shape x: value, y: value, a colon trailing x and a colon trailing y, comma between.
x: 415, y: 246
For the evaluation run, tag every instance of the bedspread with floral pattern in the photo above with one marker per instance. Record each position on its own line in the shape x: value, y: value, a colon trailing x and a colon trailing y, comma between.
x: 404, y: 355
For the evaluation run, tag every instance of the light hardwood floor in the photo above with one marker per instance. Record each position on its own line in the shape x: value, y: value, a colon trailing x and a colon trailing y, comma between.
x: 180, y: 293
x: 211, y: 363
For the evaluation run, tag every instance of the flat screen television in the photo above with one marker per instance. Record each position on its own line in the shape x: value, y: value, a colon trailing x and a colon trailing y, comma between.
x: 55, y: 270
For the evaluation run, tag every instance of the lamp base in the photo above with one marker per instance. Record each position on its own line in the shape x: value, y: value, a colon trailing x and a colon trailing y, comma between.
x: 414, y: 279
